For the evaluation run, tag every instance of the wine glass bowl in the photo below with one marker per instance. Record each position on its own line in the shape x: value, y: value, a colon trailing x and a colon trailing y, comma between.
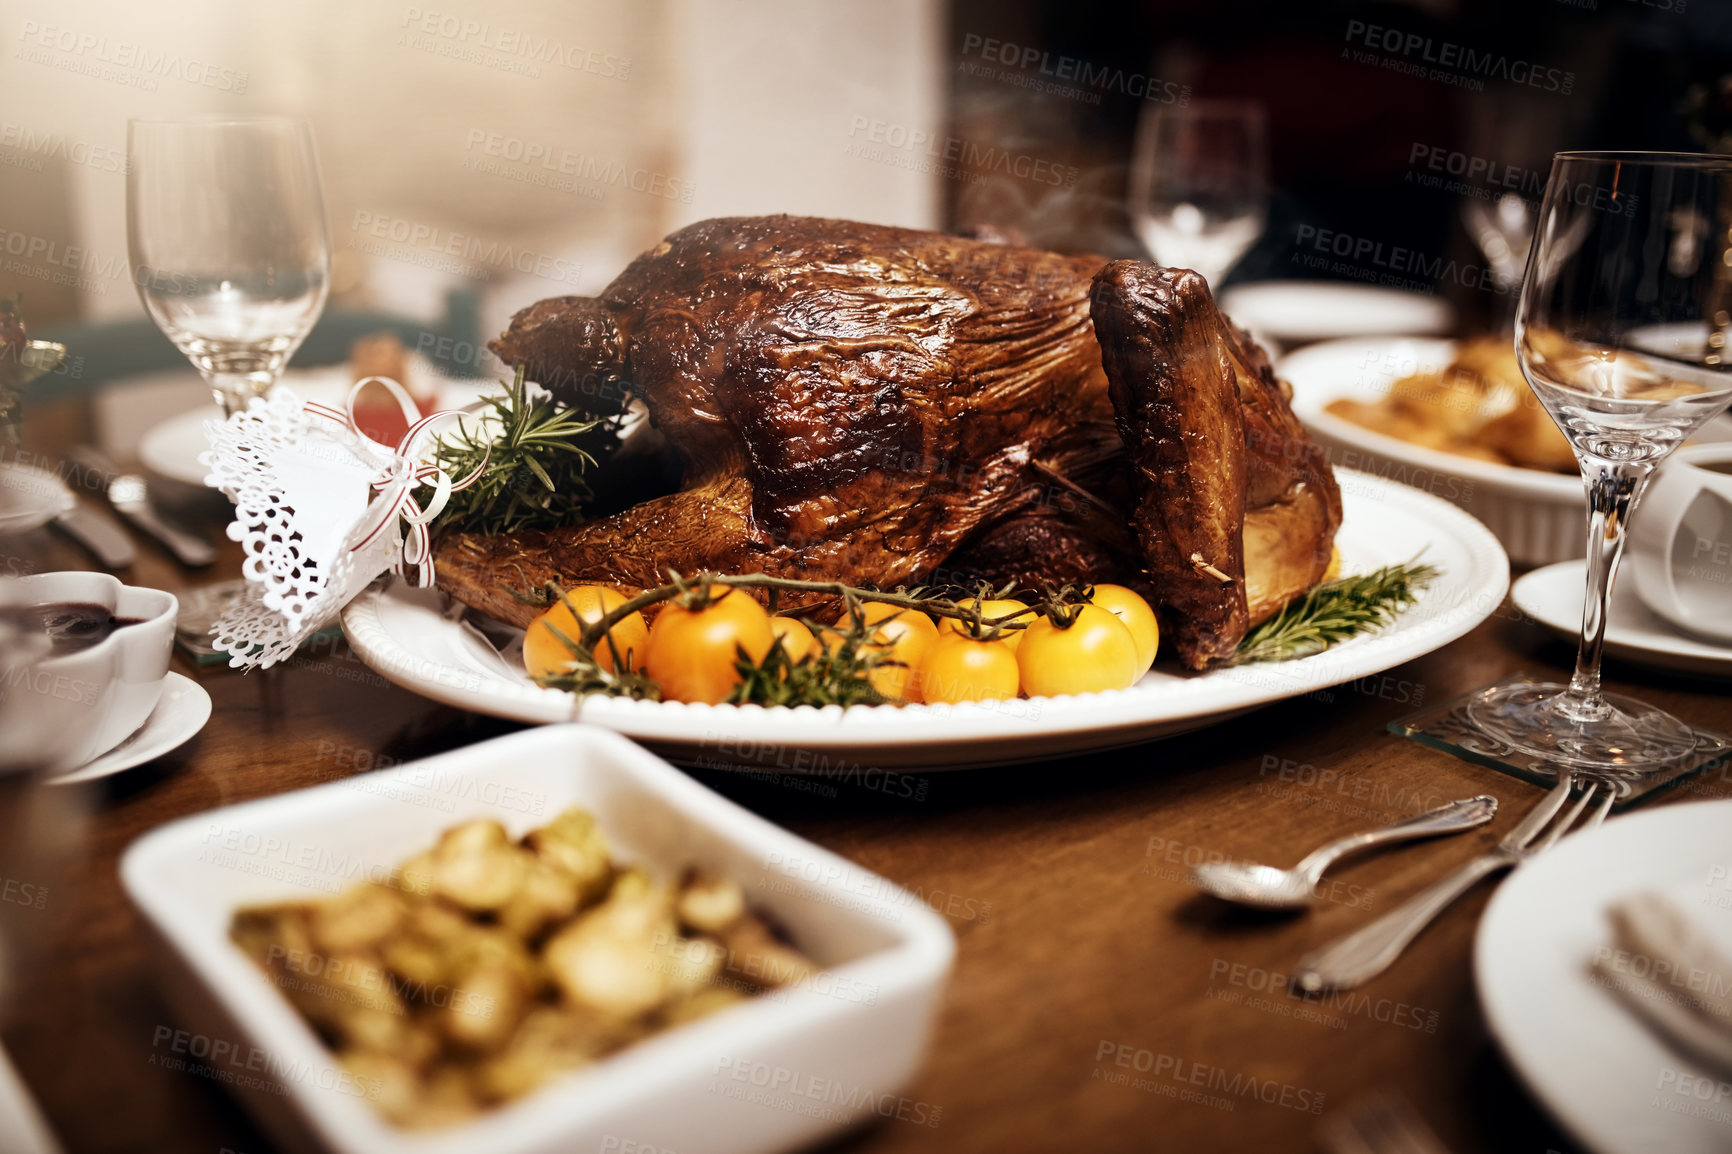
x: 1199, y: 184
x: 229, y: 247
x: 1620, y: 332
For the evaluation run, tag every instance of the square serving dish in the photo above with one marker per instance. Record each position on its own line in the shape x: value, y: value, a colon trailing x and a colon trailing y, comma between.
x: 773, y: 1073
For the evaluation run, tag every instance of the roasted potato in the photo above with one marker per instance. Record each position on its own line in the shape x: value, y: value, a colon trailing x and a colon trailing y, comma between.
x: 486, y: 966
x: 1478, y: 406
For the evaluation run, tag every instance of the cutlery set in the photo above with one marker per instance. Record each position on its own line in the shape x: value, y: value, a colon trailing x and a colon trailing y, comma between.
x: 127, y: 494
x: 1363, y: 954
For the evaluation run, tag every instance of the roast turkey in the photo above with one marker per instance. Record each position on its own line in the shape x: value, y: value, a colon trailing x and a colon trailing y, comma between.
x: 889, y: 407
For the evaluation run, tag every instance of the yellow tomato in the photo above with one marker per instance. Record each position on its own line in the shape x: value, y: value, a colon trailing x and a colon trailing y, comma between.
x: 544, y: 653
x: 1095, y: 653
x: 959, y: 668
x: 902, y: 637
x: 990, y: 608
x: 692, y: 651
x: 797, y: 640
x: 1137, y: 617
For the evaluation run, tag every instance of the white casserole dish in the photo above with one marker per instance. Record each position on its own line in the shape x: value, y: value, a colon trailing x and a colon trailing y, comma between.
x: 1538, y: 517
x: 774, y: 1073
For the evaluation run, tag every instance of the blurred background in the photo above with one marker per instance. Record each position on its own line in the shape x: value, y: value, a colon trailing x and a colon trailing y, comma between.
x: 477, y: 158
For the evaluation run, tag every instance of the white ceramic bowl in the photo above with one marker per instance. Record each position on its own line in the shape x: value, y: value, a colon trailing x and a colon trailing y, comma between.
x: 1539, y: 517
x: 63, y: 711
x: 770, y: 1074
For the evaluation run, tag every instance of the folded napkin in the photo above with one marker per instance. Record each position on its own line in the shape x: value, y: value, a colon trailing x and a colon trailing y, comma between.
x: 1670, y: 959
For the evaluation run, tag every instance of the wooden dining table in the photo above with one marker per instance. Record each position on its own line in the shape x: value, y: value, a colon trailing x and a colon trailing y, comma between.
x: 1093, y: 986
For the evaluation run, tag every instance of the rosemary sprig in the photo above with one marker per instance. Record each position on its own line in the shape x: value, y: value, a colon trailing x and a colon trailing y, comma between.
x: 535, y: 465
x: 838, y: 674
x: 584, y: 676
x: 1334, y: 611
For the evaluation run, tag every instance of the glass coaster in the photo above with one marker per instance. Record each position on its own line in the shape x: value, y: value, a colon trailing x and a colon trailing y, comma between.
x: 1446, y: 727
x: 199, y: 609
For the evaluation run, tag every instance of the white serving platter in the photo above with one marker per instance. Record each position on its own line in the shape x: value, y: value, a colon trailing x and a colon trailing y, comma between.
x: 416, y: 639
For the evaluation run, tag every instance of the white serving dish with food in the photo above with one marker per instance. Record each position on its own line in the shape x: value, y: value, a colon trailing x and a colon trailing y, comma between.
x: 770, y: 1073
x: 419, y: 639
x: 1539, y: 515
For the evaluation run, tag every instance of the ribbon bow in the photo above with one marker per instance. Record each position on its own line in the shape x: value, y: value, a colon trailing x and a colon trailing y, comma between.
x: 401, y: 472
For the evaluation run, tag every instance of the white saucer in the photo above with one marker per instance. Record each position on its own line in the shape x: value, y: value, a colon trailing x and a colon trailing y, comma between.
x: 1292, y: 311
x: 1553, y: 597
x: 30, y: 498
x: 181, y: 713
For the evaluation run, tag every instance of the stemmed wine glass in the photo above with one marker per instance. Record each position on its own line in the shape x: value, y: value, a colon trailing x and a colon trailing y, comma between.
x: 225, y: 225
x: 1621, y: 331
x: 1199, y: 183
x: 1504, y: 231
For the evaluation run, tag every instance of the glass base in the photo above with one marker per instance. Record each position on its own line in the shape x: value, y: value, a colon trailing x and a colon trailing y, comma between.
x: 1513, y: 726
x: 1536, y: 718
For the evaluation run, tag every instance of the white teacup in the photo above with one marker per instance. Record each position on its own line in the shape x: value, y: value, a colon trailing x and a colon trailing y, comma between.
x: 1681, y: 544
x: 61, y: 711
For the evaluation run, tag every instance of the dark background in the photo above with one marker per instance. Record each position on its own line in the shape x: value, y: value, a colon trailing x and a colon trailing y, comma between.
x: 1344, y: 134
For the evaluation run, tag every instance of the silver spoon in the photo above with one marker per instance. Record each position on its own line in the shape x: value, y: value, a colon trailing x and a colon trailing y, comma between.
x: 1270, y: 888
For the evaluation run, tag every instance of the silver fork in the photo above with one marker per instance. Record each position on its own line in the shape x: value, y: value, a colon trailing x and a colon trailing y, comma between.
x: 1369, y: 951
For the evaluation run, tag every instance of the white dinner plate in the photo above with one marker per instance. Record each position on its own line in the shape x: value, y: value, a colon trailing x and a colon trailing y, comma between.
x: 415, y: 639
x: 179, y: 715
x: 1553, y: 597
x: 30, y: 497
x: 1610, y: 1080
x: 1320, y: 310
x: 171, y: 448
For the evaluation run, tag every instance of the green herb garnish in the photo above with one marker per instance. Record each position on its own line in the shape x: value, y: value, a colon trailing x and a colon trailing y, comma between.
x: 1334, y: 611
x: 832, y: 675
x: 535, y: 465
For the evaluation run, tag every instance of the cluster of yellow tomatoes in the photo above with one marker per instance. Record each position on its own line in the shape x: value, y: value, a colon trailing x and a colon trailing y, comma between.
x: 691, y: 653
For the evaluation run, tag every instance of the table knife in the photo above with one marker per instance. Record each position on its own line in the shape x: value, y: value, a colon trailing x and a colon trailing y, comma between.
x: 105, y: 540
x: 130, y: 496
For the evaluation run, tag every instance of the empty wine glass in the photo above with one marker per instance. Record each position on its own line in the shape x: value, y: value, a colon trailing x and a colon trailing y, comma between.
x: 1621, y: 331
x: 226, y: 229
x: 1199, y: 183
x: 1504, y: 231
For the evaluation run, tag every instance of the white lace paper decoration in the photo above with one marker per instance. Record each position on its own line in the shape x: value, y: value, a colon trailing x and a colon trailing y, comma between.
x: 300, y: 475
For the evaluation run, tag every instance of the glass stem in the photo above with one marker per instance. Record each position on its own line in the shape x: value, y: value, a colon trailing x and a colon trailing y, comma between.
x: 1613, y: 489
x: 233, y: 391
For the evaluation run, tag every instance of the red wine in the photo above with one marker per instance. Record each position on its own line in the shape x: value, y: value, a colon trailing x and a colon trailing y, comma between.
x: 71, y: 625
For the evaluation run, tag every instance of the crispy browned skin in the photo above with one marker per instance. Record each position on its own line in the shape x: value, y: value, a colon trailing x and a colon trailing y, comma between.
x: 1237, y: 508
x: 849, y: 400
x: 885, y: 406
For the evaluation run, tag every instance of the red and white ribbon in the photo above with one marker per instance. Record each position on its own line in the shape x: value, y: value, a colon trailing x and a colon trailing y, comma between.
x: 400, y: 473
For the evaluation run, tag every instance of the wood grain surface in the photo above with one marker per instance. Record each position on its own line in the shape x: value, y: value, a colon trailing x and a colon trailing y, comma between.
x: 1096, y: 998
